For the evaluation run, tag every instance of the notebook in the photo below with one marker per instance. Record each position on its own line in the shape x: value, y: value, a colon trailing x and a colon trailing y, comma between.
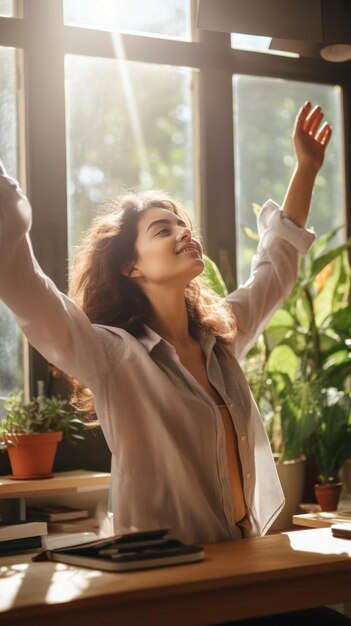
x: 132, y: 551
x: 342, y: 530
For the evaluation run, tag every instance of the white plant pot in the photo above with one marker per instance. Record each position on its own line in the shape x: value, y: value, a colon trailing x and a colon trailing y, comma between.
x: 292, y: 478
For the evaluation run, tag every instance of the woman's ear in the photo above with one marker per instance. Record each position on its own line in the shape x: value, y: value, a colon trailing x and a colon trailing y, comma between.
x: 130, y: 270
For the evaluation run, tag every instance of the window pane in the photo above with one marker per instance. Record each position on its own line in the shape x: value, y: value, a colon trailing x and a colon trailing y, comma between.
x: 129, y: 124
x: 7, y: 8
x: 168, y: 19
x: 10, y: 8
x: 10, y: 339
x: 264, y: 114
x: 256, y: 43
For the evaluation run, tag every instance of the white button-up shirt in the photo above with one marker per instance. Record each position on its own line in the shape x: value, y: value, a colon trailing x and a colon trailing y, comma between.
x: 165, y: 433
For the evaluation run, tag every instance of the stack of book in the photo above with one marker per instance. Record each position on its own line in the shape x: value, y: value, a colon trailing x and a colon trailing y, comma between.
x: 63, y: 518
x: 23, y: 537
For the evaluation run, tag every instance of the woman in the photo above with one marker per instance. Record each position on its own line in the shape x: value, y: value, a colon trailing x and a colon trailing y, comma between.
x: 156, y: 357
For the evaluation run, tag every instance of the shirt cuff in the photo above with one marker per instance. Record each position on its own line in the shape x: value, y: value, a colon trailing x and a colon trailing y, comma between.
x: 273, y: 223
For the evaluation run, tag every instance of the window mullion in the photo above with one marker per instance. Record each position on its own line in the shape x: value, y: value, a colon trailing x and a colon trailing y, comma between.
x: 45, y: 146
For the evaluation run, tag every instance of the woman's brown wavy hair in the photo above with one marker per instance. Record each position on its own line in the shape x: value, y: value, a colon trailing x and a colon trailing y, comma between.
x: 108, y: 297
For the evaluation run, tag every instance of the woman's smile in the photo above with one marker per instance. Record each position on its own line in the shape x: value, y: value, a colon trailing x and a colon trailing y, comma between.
x: 191, y: 248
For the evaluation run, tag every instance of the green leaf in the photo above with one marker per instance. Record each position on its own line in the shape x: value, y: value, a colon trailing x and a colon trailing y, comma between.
x: 256, y: 208
x: 320, y: 262
x: 321, y: 243
x: 281, y: 318
x: 251, y: 234
x: 283, y: 360
x: 214, y: 277
x: 336, y: 290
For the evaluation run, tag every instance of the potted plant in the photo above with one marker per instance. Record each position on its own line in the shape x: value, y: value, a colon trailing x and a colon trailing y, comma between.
x: 303, y: 350
x: 332, y: 445
x: 31, y: 431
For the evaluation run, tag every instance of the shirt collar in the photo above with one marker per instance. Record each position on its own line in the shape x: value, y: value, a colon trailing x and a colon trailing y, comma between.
x: 152, y: 339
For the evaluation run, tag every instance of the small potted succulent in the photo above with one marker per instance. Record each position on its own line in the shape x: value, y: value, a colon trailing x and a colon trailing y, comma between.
x: 31, y: 431
x: 332, y: 446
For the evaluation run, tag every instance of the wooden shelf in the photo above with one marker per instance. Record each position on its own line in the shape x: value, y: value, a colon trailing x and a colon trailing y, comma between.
x: 61, y: 482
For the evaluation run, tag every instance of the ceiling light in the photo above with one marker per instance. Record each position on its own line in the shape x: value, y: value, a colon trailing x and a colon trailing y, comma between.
x: 337, y: 53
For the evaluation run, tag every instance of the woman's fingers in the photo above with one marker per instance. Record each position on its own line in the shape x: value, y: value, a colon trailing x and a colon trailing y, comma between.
x: 308, y: 121
x: 313, y: 120
x: 302, y: 116
x: 324, y: 134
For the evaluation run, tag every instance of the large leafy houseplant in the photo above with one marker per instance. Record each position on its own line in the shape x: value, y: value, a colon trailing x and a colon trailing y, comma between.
x: 304, y: 351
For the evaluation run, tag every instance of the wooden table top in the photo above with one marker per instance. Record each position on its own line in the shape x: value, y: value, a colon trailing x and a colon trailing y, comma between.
x: 237, y: 579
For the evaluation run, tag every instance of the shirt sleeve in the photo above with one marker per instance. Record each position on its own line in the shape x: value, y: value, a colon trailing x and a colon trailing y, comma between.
x: 273, y: 274
x: 51, y: 321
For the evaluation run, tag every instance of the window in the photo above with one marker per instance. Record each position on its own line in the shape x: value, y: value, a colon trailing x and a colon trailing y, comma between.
x: 11, y: 370
x: 119, y: 95
x: 8, y: 8
x: 168, y: 19
x: 135, y: 130
x: 264, y: 155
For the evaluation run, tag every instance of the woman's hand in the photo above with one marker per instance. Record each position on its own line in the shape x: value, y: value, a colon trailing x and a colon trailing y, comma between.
x: 15, y: 215
x: 311, y: 139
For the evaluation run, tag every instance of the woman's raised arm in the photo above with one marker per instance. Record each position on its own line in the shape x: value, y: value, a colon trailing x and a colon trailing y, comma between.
x: 282, y: 234
x: 310, y: 141
x: 52, y: 322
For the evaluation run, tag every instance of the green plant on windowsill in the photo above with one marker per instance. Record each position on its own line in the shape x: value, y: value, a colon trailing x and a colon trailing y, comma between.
x: 39, y: 415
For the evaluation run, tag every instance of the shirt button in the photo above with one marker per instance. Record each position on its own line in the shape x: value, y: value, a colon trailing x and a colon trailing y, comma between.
x: 247, y: 476
x: 243, y: 438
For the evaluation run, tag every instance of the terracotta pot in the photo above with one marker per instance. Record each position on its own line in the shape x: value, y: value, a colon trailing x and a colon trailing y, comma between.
x: 33, y: 455
x: 328, y: 496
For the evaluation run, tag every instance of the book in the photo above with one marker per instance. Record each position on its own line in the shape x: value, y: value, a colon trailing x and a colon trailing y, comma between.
x: 21, y: 545
x: 22, y: 530
x: 342, y: 530
x: 64, y: 540
x: 55, y: 513
x: 73, y: 526
x: 132, y: 551
x: 24, y: 537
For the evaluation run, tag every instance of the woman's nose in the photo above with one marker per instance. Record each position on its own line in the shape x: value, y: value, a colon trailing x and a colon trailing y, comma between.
x: 185, y: 233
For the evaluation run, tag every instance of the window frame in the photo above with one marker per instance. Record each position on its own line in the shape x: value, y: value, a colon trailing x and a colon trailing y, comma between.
x: 45, y: 40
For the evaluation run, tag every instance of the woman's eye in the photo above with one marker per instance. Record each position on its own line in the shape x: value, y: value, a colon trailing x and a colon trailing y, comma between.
x: 163, y: 231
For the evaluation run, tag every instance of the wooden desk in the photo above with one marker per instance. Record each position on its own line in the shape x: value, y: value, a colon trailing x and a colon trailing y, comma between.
x: 239, y: 579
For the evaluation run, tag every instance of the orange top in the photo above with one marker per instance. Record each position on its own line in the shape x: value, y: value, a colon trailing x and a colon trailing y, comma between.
x: 234, y: 465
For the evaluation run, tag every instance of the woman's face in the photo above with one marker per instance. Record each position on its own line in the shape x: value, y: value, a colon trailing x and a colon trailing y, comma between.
x: 166, y: 251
